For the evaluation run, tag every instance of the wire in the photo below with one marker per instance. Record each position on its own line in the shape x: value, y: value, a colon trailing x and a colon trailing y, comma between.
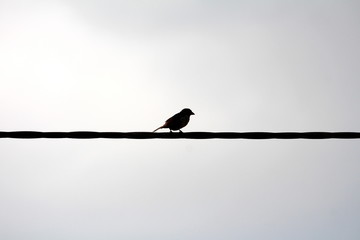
x: 188, y: 135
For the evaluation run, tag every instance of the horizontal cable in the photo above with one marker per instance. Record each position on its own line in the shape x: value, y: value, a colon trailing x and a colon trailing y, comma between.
x: 188, y: 135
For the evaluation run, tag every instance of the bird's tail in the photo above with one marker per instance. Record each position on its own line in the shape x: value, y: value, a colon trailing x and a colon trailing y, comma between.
x: 158, y: 128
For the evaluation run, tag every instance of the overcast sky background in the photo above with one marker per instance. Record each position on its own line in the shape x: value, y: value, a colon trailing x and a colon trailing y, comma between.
x: 109, y: 65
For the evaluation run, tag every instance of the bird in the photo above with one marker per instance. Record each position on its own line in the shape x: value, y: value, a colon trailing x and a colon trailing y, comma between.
x: 177, y: 121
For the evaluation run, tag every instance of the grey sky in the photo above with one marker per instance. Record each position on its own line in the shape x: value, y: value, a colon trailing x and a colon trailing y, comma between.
x: 128, y: 66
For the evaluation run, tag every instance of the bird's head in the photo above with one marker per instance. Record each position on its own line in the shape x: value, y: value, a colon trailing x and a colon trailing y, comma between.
x: 187, y: 111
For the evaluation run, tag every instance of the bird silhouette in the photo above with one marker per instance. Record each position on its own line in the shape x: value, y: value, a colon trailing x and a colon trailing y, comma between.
x: 178, y: 121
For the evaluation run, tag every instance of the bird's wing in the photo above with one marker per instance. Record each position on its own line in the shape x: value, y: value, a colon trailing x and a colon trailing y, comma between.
x: 172, y: 119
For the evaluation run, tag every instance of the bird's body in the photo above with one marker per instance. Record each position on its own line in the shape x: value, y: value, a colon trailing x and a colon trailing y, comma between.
x: 177, y: 121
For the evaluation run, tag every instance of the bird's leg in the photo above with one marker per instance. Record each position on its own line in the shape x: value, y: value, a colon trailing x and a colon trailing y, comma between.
x: 170, y: 131
x: 180, y: 131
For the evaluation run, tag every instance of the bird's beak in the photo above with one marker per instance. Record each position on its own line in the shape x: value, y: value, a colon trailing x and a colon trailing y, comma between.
x: 192, y: 113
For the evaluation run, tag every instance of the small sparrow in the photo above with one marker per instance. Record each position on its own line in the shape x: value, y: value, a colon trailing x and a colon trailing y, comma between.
x: 178, y: 121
